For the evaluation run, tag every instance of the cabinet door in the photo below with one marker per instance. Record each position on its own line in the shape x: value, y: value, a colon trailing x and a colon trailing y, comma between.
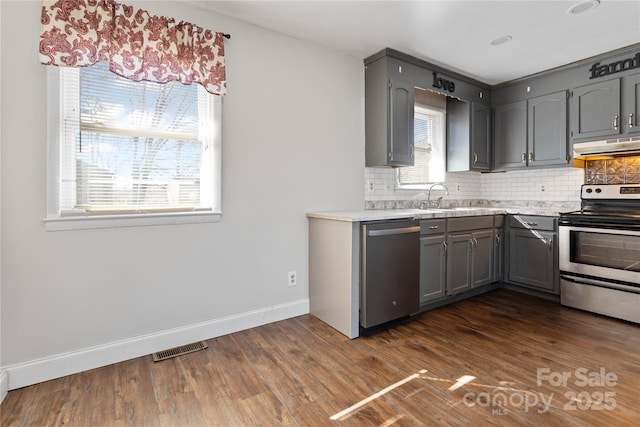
x: 498, y: 254
x: 531, y: 258
x: 547, y: 130
x: 631, y: 100
x: 595, y: 111
x: 458, y: 263
x: 511, y: 135
x: 401, y: 99
x: 432, y: 267
x: 482, y: 258
x: 480, y: 137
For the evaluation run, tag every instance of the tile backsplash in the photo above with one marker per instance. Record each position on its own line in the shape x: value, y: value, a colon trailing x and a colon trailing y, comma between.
x: 620, y: 170
x: 535, y: 185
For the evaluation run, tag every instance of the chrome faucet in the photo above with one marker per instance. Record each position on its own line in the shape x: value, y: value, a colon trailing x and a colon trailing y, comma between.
x: 437, y: 203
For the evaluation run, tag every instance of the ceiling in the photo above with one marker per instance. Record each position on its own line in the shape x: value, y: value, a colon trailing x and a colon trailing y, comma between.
x: 453, y: 34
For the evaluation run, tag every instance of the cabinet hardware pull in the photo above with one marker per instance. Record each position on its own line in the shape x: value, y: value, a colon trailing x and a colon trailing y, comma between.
x: 630, y: 120
x: 530, y: 157
x: 475, y: 158
x: 524, y: 157
x: 444, y: 247
x: 434, y: 227
x: 411, y: 147
x: 550, y: 243
x: 393, y: 231
x: 497, y: 240
x: 474, y: 243
x: 532, y: 224
x: 615, y: 122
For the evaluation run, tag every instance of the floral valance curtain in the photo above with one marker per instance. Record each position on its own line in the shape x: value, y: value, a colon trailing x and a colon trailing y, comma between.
x: 137, y: 45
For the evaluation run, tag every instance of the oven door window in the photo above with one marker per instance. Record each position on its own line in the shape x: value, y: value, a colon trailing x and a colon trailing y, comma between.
x: 615, y: 251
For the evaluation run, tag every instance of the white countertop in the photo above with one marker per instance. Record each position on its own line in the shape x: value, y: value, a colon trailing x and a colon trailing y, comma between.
x: 385, y: 214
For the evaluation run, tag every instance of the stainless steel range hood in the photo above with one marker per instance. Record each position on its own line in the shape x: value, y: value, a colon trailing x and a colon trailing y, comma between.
x: 605, y: 149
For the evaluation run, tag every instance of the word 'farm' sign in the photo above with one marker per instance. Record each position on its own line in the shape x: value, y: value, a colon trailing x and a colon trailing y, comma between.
x: 601, y: 70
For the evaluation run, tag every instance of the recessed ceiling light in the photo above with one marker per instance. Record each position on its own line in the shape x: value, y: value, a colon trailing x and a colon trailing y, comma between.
x: 583, y: 6
x: 500, y: 40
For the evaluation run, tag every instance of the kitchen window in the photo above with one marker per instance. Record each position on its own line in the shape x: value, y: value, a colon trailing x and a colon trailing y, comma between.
x: 125, y: 153
x: 429, y: 150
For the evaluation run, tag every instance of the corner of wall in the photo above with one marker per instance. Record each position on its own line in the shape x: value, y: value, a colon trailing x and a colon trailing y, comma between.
x: 4, y: 385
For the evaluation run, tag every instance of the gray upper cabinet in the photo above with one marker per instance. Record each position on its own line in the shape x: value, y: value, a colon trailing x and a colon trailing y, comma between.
x: 595, y: 111
x: 607, y: 109
x: 480, y: 136
x: 547, y: 130
x: 532, y: 133
x: 468, y: 136
x: 401, y: 110
x: 389, y: 106
x: 510, y: 127
x: 631, y: 104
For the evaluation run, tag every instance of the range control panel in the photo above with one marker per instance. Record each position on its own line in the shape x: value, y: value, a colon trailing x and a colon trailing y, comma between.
x: 610, y: 191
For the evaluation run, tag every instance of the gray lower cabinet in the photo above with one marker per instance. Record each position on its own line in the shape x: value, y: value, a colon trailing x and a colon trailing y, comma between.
x: 458, y: 263
x: 433, y: 267
x: 433, y: 259
x: 533, y: 252
x: 469, y: 253
x: 498, y: 254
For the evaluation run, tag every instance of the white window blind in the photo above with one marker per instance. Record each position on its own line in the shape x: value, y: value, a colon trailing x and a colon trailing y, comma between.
x: 135, y: 147
x: 429, y: 149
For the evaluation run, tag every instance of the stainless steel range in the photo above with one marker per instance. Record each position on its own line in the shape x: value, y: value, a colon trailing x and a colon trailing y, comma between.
x: 600, y: 252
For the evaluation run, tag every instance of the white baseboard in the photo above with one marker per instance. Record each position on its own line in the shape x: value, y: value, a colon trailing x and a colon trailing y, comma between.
x: 4, y: 385
x: 36, y: 371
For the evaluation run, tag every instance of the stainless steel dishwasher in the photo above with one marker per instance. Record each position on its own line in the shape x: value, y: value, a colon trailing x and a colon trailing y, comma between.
x: 390, y: 271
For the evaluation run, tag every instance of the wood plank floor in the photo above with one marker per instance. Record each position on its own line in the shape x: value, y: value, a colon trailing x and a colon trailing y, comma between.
x: 301, y: 372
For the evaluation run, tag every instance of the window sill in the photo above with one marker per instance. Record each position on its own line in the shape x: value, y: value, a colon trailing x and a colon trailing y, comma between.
x: 133, y: 220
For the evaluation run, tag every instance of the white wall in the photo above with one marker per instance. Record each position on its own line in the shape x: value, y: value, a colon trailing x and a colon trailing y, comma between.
x: 3, y: 375
x: 293, y: 142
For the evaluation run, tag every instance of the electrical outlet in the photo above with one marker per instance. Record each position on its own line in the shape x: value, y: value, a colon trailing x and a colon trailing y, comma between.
x: 291, y: 278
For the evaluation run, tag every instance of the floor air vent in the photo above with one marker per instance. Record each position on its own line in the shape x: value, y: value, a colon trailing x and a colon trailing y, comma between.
x: 179, y: 351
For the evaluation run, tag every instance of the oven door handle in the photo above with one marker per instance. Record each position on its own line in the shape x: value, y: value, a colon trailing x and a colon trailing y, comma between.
x: 601, y: 283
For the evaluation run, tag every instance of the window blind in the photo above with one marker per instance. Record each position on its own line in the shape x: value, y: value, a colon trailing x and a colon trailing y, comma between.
x: 429, y: 146
x: 134, y: 146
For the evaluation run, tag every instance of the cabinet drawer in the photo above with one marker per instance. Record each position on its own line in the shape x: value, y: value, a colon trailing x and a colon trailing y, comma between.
x: 470, y: 223
x: 498, y: 221
x: 547, y: 223
x: 433, y: 226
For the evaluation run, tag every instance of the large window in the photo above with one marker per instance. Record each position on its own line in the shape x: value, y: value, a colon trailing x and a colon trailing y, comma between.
x: 429, y: 149
x: 126, y: 149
